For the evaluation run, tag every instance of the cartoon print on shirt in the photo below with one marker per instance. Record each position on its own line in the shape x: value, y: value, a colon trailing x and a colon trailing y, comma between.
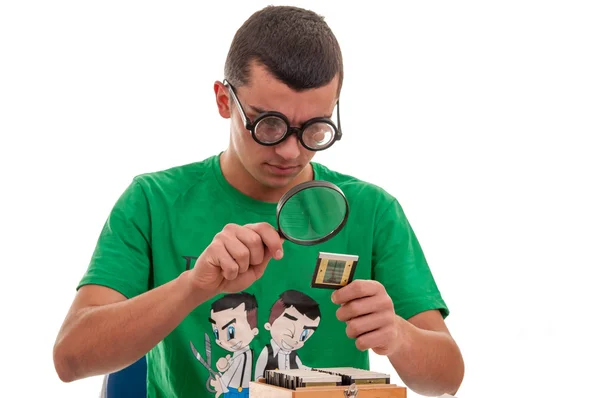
x: 293, y: 319
x: 206, y: 362
x: 234, y: 321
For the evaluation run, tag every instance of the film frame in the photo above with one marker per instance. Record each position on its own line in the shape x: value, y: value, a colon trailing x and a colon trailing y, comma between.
x: 333, y: 270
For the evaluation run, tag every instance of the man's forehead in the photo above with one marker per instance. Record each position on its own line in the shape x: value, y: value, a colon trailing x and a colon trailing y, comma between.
x: 265, y: 93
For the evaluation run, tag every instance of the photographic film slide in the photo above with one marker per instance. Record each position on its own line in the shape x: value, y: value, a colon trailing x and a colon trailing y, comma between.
x: 334, y: 271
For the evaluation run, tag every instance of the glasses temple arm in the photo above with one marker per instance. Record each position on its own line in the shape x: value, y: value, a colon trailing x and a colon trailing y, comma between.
x: 237, y: 102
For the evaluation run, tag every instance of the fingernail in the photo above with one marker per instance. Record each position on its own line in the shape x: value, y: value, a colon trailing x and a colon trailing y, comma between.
x: 278, y: 254
x: 333, y: 298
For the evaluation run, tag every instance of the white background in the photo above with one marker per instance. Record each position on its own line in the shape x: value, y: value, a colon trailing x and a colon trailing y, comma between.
x: 481, y: 117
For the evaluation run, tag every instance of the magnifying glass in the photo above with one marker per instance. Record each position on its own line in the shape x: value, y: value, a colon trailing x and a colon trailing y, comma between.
x: 312, y: 212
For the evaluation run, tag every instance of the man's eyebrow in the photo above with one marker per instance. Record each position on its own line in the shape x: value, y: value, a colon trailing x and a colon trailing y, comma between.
x: 310, y: 327
x: 211, y: 320
x: 293, y: 318
x: 256, y: 109
x: 228, y: 323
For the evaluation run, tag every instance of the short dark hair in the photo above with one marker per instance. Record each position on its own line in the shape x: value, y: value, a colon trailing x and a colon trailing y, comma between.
x: 230, y: 301
x: 300, y: 301
x: 295, y: 45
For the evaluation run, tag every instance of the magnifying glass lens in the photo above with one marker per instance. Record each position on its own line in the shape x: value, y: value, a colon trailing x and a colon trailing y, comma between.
x: 312, y: 214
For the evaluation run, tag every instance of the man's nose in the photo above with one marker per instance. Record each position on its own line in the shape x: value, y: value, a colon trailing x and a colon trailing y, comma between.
x: 289, y: 149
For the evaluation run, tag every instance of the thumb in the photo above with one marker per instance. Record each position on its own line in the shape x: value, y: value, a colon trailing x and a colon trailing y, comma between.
x: 272, y: 240
x: 259, y: 269
x: 273, y: 253
x: 279, y: 252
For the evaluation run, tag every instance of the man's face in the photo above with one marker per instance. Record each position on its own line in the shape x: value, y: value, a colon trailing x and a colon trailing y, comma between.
x: 276, y: 166
x: 231, y: 328
x: 291, y: 330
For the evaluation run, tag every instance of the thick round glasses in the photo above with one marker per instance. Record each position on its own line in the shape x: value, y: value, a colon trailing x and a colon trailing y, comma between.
x: 271, y: 128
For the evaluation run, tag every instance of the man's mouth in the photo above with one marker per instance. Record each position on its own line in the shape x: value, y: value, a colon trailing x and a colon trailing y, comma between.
x: 282, y: 166
x: 281, y: 169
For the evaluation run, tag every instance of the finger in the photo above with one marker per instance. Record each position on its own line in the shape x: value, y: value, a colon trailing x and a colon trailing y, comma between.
x: 259, y: 269
x: 356, y: 289
x: 358, y: 326
x: 270, y: 238
x: 376, y: 338
x: 229, y: 267
x: 238, y: 251
x: 356, y: 308
x: 253, y: 241
x: 364, y: 306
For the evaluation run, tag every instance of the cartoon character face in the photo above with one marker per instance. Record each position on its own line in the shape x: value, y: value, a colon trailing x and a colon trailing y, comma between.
x: 291, y: 329
x: 231, y: 328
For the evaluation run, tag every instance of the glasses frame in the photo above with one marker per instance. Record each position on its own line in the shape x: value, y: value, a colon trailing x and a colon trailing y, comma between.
x: 299, y: 131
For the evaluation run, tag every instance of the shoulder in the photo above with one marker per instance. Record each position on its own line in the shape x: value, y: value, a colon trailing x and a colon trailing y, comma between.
x: 355, y: 189
x: 176, y: 181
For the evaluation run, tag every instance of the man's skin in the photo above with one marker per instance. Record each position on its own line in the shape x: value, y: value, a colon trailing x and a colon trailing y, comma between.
x: 103, y: 332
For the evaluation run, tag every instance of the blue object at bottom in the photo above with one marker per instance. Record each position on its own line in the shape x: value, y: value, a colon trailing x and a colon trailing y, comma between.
x: 234, y: 393
x: 129, y: 382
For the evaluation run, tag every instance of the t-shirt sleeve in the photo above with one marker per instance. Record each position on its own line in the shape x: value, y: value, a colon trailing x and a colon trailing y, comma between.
x: 400, y: 265
x: 122, y: 257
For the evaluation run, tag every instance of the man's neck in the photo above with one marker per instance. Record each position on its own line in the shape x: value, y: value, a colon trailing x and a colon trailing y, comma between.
x: 239, y: 178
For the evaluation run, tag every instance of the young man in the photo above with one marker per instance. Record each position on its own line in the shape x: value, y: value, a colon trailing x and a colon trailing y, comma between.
x: 283, y: 77
x: 293, y: 319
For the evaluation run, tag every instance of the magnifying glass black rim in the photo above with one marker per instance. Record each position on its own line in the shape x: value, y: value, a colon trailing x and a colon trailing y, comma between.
x: 301, y: 187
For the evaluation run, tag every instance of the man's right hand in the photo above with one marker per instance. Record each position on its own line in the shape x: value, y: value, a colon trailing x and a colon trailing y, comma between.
x: 104, y: 332
x: 236, y: 258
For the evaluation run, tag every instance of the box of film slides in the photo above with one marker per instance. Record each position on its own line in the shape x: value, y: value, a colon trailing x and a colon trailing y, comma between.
x: 325, y: 383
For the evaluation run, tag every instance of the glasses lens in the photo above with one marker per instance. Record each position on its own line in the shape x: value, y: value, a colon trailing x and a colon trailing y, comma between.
x: 270, y: 129
x: 318, y: 135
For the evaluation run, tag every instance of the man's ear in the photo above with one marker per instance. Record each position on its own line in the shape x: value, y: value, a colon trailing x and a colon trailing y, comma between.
x: 222, y: 98
x: 255, y: 331
x: 267, y: 326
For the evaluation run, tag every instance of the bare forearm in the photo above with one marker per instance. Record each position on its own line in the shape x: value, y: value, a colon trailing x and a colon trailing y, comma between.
x: 103, y: 339
x: 429, y: 362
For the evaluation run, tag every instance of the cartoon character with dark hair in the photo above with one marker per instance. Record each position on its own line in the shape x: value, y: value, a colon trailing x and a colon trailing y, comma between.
x: 234, y: 321
x: 293, y: 319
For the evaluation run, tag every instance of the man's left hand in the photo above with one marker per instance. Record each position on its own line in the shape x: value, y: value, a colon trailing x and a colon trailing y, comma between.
x: 369, y: 314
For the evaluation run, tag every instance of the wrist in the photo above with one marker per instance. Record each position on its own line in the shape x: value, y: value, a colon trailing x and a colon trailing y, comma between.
x: 193, y: 294
x: 405, y: 336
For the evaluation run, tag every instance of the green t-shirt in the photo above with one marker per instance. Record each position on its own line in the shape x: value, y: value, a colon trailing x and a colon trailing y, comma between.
x: 164, y: 221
